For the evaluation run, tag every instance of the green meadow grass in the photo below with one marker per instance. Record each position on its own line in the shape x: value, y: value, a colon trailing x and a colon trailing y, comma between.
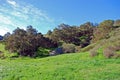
x: 77, y: 66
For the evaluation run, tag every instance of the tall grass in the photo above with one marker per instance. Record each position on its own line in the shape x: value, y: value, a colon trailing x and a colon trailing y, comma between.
x: 63, y: 67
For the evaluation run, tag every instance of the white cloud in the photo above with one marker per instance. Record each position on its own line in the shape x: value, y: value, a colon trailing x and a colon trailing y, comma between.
x: 22, y: 14
x: 5, y: 20
x: 4, y: 30
x: 13, y: 3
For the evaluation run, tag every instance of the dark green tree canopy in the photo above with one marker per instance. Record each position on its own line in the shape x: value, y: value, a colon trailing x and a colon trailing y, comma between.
x: 26, y: 42
x: 79, y: 36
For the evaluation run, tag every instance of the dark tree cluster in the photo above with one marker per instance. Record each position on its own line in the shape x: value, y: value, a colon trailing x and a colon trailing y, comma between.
x: 104, y: 28
x: 79, y: 36
x: 26, y: 42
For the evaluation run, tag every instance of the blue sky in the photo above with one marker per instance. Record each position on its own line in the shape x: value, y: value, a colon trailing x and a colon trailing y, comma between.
x: 47, y: 14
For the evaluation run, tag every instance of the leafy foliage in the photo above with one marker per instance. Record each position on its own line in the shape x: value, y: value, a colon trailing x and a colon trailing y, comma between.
x: 108, y: 52
x: 26, y: 43
x: 71, y: 38
x: 101, y: 32
x: 68, y: 48
x: 79, y: 36
x: 111, y: 51
x: 42, y: 52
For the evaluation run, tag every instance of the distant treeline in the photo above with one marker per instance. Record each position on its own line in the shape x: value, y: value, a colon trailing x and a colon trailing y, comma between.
x: 27, y: 42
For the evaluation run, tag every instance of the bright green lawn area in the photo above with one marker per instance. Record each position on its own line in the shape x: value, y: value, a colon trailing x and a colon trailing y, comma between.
x: 78, y: 66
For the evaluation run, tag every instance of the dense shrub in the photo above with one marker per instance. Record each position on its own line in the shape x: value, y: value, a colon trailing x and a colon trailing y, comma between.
x: 102, y: 31
x: 42, y: 52
x: 109, y: 52
x: 78, y: 49
x: 78, y: 35
x: 68, y: 48
x: 26, y: 42
x: 117, y: 51
x: 117, y: 48
x: 93, y: 52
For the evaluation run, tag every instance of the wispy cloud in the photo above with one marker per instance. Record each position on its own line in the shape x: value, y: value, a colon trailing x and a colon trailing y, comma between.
x: 16, y: 13
x: 4, y: 30
x: 12, y: 2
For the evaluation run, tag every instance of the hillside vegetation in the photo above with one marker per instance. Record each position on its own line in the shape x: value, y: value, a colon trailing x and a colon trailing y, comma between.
x: 93, y: 53
x: 76, y: 66
x: 111, y: 45
x: 65, y: 39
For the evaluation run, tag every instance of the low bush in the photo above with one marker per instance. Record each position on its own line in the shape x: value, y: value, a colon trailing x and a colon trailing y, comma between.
x: 68, y: 48
x: 14, y: 55
x: 117, y: 48
x: 116, y: 56
x: 2, y: 56
x: 109, y: 52
x: 78, y: 49
x: 94, y: 51
x: 42, y: 52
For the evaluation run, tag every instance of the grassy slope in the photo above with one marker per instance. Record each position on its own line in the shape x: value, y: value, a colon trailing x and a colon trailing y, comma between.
x: 79, y: 66
x: 63, y: 67
x: 113, y: 40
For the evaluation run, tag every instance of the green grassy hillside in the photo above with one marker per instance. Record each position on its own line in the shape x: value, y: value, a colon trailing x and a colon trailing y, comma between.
x: 112, y: 43
x: 78, y: 66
